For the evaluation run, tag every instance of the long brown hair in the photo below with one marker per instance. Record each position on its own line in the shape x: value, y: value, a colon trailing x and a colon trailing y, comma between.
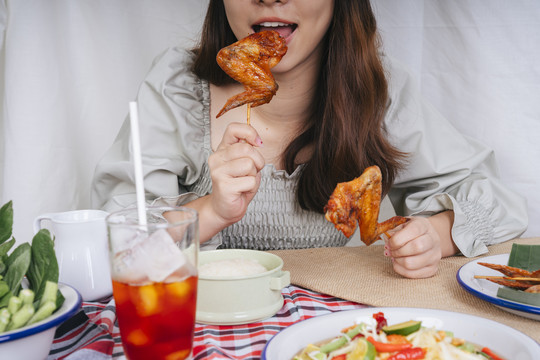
x: 345, y: 129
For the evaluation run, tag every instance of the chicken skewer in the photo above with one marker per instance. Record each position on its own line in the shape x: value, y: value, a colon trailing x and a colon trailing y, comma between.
x: 359, y: 201
x: 511, y: 271
x: 514, y: 277
x: 487, y: 277
x: 249, y: 61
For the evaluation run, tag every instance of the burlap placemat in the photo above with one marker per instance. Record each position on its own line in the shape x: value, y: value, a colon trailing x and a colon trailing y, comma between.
x: 364, y: 275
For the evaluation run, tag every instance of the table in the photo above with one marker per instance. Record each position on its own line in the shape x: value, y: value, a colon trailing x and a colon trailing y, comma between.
x: 362, y: 276
x: 93, y: 334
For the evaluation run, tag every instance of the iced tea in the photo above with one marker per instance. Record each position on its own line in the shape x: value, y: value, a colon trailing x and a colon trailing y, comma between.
x: 157, y: 320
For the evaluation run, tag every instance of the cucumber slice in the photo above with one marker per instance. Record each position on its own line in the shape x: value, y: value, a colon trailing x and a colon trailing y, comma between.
x: 404, y: 328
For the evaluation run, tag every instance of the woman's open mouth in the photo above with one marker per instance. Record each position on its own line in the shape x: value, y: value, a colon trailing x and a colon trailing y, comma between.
x: 284, y: 29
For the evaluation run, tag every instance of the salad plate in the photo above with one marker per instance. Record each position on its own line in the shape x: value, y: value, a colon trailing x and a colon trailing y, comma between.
x: 487, y: 290
x: 504, y: 340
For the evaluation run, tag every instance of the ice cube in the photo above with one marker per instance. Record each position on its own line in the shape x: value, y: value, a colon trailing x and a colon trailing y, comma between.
x: 163, y: 255
x: 153, y: 259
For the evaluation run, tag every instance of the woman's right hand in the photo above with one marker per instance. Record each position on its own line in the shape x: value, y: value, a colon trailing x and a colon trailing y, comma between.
x: 235, y: 170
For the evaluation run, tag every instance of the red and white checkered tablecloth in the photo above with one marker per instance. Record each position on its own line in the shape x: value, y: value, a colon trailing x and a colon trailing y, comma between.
x: 93, y: 334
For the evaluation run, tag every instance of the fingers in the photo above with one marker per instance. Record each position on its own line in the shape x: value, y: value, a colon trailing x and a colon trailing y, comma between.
x: 414, y: 249
x: 236, y: 132
x: 237, y: 151
x: 238, y: 177
x: 239, y: 141
x: 410, y: 238
x: 235, y: 171
x: 420, y: 273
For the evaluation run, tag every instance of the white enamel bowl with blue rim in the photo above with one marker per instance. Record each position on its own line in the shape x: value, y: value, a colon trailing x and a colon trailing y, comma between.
x: 34, y: 342
x: 504, y: 340
x: 487, y: 290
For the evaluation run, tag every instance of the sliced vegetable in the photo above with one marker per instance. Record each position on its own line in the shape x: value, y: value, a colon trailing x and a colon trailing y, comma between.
x: 409, y: 354
x: 14, y: 304
x: 309, y: 353
x: 468, y: 347
x: 386, y: 347
x: 26, y: 296
x: 43, y: 312
x: 21, y: 317
x: 363, y: 350
x: 404, y: 328
x: 5, y: 316
x: 339, y: 342
x: 50, y: 292
x: 490, y: 353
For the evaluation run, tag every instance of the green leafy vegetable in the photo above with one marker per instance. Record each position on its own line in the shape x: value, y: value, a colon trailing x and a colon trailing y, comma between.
x: 6, y: 221
x: 19, y: 307
x: 5, y: 247
x: 44, y: 266
x: 4, y: 288
x: 17, y: 266
x: 6, y: 228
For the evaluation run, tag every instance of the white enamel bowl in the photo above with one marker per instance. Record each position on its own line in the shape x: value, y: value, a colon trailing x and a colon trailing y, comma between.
x: 240, y: 299
x: 504, y: 340
x: 34, y: 342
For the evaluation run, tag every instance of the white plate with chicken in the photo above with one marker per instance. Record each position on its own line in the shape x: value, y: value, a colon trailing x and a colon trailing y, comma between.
x: 487, y: 290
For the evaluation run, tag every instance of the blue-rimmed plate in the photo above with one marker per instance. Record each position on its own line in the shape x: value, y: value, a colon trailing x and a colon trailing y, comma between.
x: 487, y: 290
x: 504, y: 340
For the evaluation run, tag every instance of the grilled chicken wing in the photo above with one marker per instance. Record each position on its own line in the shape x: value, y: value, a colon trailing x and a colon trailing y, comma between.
x: 359, y: 201
x: 249, y: 61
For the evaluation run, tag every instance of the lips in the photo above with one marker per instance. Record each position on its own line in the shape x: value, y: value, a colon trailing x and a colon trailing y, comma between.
x: 284, y: 29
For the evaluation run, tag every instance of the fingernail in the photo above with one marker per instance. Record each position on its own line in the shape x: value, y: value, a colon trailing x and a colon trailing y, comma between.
x: 259, y: 142
x: 386, y: 253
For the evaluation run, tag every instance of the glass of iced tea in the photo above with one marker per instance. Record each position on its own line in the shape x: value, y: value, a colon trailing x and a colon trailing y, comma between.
x: 154, y: 276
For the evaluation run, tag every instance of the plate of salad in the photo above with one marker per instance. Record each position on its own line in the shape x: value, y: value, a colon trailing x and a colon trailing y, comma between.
x: 399, y: 333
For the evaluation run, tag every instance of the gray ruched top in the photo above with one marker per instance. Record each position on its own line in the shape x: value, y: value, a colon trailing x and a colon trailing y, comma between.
x: 445, y: 169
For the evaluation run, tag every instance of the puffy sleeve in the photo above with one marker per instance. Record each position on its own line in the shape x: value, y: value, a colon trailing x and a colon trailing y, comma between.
x: 446, y: 170
x: 172, y: 109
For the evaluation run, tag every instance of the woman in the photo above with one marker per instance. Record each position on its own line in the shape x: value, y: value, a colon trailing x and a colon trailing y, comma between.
x: 341, y: 107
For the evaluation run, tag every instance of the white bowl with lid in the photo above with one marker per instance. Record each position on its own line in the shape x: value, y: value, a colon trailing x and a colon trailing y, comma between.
x: 241, y: 299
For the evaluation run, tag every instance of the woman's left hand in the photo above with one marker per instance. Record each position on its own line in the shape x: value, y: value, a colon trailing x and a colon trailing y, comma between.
x: 417, y: 246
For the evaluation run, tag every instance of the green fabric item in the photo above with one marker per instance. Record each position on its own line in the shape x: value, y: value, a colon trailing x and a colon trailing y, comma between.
x: 525, y: 257
x: 519, y: 296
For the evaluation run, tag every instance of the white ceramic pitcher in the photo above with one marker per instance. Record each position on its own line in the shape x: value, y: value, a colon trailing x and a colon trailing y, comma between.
x: 80, y: 243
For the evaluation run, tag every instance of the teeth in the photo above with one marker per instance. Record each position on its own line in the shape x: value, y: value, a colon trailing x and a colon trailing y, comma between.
x: 272, y: 24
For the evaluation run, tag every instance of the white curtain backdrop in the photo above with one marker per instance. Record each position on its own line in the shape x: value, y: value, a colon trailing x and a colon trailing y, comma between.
x: 69, y: 69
